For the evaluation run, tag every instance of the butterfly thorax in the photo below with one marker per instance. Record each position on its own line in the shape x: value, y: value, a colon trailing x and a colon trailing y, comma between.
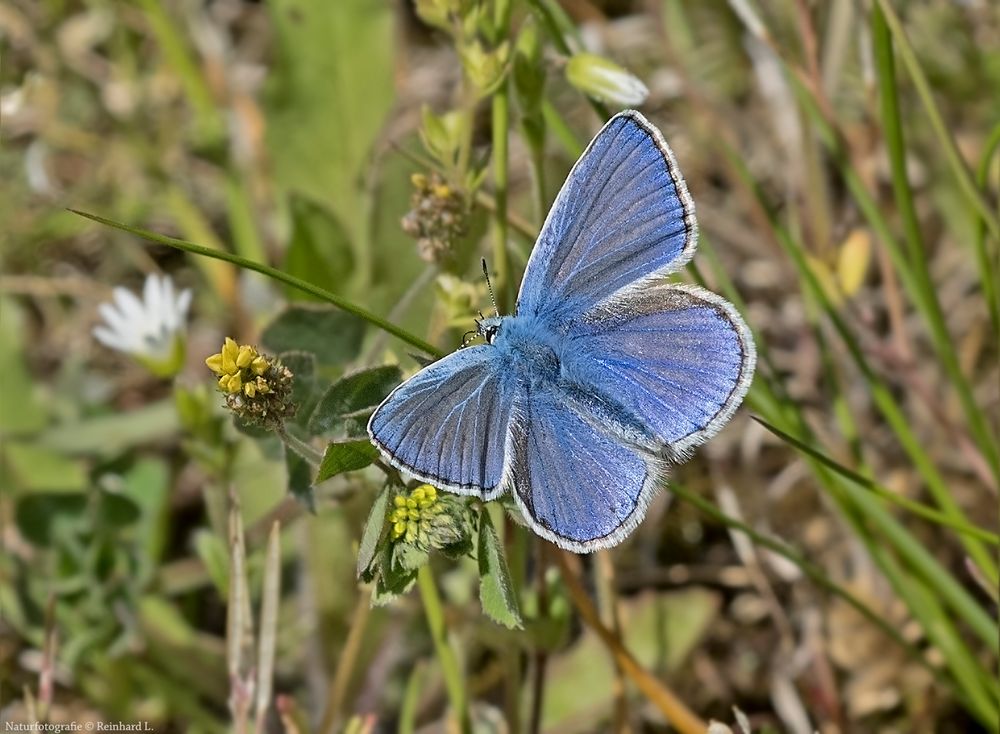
x: 527, y: 345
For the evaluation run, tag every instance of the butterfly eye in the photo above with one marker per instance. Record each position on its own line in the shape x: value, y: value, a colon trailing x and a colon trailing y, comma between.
x: 490, y: 333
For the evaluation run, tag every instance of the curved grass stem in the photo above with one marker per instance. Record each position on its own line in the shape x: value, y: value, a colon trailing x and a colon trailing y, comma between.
x: 275, y: 274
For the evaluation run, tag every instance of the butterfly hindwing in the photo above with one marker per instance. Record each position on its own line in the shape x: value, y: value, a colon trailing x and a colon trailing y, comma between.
x: 624, y: 214
x: 448, y: 423
x: 676, y: 357
x: 576, y: 483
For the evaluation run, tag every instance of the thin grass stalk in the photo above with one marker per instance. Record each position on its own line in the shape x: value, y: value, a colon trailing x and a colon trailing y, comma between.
x: 817, y: 576
x: 955, y: 161
x: 563, y: 133
x: 893, y: 128
x: 450, y: 669
x: 411, y: 699
x: 500, y: 160
x: 347, y: 662
x: 672, y: 707
x: 239, y: 621
x: 881, y: 491
x: 989, y: 268
x: 762, y: 398
x: 828, y: 134
x: 275, y: 274
x: 924, y: 298
x: 873, y: 525
x: 270, y: 597
x: 208, y: 120
x: 975, y: 683
x: 881, y: 394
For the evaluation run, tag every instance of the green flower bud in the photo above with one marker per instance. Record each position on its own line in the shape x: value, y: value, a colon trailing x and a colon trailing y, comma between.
x: 605, y: 81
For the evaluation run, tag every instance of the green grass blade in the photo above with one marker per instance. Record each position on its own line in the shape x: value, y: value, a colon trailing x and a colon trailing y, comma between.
x: 273, y: 273
x: 811, y: 570
x: 893, y: 129
x: 917, y: 508
x: 880, y: 392
x: 989, y: 272
x: 923, y: 87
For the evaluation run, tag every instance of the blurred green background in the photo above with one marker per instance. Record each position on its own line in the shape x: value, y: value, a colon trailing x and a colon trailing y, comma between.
x: 842, y: 157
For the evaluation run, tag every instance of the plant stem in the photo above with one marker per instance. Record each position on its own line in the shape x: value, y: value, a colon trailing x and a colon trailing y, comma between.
x: 501, y: 124
x: 300, y: 447
x: 446, y: 658
x: 302, y: 285
x: 675, y: 711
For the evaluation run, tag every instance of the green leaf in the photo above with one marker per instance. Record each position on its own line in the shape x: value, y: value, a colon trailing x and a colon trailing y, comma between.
x: 21, y: 410
x: 407, y: 557
x: 393, y: 579
x: 38, y: 516
x: 319, y: 251
x: 212, y: 551
x: 300, y: 483
x: 351, y: 395
x: 147, y: 484
x: 34, y: 468
x: 496, y: 589
x: 325, y: 109
x: 373, y: 531
x: 116, y: 511
x: 344, y: 456
x: 334, y: 337
x: 112, y: 434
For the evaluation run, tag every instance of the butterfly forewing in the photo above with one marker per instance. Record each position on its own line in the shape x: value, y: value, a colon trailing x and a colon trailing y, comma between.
x: 623, y: 215
x: 448, y: 423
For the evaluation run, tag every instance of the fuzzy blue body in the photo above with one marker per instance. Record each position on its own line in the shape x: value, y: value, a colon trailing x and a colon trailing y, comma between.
x: 605, y: 374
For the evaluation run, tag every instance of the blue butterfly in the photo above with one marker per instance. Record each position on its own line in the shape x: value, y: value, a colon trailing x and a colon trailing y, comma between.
x: 605, y: 374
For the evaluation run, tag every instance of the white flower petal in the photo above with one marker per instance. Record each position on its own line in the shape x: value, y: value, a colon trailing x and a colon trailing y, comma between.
x: 183, y: 303
x: 113, y: 318
x: 130, y: 306
x: 152, y: 296
x: 168, y: 311
x: 111, y: 339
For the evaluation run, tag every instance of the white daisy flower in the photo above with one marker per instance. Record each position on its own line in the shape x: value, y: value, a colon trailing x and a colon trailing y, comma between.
x: 151, y: 329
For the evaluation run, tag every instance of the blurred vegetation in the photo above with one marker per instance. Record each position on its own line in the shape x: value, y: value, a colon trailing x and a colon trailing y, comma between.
x: 831, y: 566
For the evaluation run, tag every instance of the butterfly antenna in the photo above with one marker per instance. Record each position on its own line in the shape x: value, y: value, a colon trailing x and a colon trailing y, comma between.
x: 489, y: 285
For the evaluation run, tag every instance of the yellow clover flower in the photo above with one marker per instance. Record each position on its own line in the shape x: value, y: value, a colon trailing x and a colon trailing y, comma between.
x: 257, y: 388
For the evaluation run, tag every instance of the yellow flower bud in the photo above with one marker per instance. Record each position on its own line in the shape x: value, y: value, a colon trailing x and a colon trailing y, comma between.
x: 246, y: 356
x: 250, y: 389
x: 230, y: 351
x: 259, y: 366
x: 215, y: 363
x: 235, y: 383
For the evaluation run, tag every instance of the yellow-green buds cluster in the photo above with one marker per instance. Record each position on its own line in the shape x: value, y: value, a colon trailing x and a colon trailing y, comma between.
x: 436, y: 218
x: 257, y: 388
x: 426, y: 520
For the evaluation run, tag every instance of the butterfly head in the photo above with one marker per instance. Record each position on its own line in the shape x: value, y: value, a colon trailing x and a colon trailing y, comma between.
x: 488, y: 328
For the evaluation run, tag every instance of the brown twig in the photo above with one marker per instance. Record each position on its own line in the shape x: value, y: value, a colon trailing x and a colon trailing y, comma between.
x: 675, y: 711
